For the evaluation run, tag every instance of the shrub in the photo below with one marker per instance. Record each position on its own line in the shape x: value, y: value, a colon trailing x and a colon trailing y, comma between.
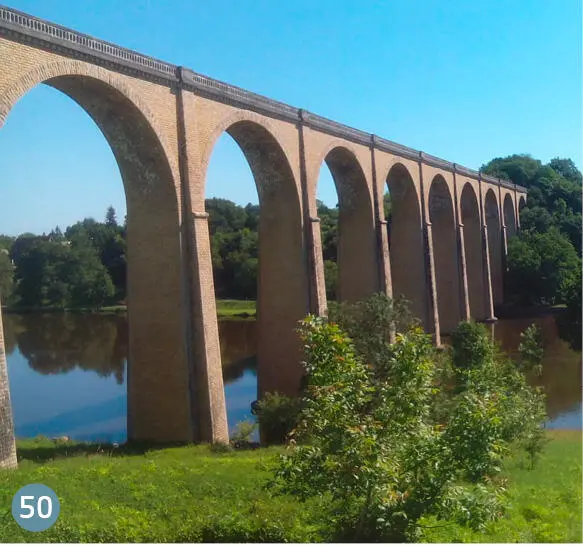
x: 277, y: 416
x: 367, y: 437
x: 243, y: 431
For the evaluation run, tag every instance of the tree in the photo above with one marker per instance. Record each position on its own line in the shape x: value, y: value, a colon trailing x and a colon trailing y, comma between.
x: 567, y: 169
x: 6, y: 278
x: 110, y: 218
x: 540, y: 267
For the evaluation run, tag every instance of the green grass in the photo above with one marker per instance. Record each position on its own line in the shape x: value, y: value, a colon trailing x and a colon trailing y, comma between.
x: 190, y: 494
x: 236, y: 308
x: 182, y: 494
x: 544, y: 504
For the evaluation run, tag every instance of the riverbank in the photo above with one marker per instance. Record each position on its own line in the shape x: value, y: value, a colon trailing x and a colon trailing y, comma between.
x: 225, y: 309
x: 193, y: 494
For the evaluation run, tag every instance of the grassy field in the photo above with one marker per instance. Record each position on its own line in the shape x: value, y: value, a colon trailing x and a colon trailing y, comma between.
x: 191, y: 494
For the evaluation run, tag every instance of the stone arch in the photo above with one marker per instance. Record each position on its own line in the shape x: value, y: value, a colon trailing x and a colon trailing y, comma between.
x: 282, y: 294
x: 509, y: 216
x: 470, y: 215
x: 442, y: 218
x: 406, y: 240
x: 492, y: 214
x: 158, y: 397
x: 357, y: 248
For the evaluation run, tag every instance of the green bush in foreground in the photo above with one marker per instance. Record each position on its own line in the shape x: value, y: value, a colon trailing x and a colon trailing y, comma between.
x: 368, y: 438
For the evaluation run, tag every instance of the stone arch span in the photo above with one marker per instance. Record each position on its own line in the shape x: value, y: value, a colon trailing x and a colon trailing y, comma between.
x: 406, y: 241
x: 357, y: 251
x: 470, y: 214
x: 492, y: 213
x: 442, y: 218
x: 282, y: 293
x: 509, y: 216
x: 159, y: 404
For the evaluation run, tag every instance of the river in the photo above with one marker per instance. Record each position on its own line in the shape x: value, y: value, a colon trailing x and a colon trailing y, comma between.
x: 67, y: 373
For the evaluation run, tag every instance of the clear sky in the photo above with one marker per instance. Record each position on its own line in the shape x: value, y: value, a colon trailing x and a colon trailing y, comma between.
x: 466, y: 80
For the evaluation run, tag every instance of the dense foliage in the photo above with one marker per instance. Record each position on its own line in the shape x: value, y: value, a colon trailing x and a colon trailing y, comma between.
x: 544, y: 261
x: 373, y: 436
x: 84, y: 267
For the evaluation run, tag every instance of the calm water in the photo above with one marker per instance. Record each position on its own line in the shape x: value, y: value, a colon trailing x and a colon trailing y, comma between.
x: 67, y: 373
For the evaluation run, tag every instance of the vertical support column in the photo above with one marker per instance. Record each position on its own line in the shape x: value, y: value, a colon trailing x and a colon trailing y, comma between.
x: 432, y: 285
x: 461, y: 255
x: 465, y: 302
x: 208, y: 408
x: 7, y: 441
x: 317, y: 304
x: 488, y: 293
x: 383, y: 254
x: 503, y: 228
x: 432, y: 312
x: 517, y: 208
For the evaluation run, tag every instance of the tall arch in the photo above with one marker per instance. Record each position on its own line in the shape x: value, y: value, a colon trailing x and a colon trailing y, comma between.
x: 441, y: 216
x: 159, y: 404
x: 494, y: 245
x: 470, y: 212
x: 509, y: 216
x: 282, y: 294
x: 357, y: 249
x: 406, y: 241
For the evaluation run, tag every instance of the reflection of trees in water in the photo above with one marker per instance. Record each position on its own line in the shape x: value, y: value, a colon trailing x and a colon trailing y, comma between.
x: 59, y: 343
x: 238, y: 341
x: 561, y: 376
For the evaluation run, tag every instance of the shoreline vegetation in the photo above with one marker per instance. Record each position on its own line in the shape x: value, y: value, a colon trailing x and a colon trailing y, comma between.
x: 240, y: 309
x: 143, y: 493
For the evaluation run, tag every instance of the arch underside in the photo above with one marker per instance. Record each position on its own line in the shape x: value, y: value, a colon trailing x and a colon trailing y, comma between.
x: 282, y: 295
x: 157, y: 360
x: 441, y: 215
x: 494, y: 246
x: 358, y: 275
x: 406, y: 242
x: 473, y: 253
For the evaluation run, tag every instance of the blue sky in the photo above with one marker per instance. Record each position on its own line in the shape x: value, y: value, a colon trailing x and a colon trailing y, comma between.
x: 466, y: 80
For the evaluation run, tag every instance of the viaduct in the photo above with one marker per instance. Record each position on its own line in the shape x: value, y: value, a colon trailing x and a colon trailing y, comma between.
x: 446, y: 250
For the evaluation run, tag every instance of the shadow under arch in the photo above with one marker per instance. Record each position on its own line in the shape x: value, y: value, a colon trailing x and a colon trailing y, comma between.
x: 405, y: 231
x: 494, y: 245
x: 282, y: 294
x: 158, y: 393
x: 509, y: 217
x: 358, y: 275
x: 470, y: 212
x: 442, y: 218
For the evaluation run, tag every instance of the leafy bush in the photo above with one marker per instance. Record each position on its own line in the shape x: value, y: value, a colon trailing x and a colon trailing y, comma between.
x: 243, y: 431
x: 367, y: 437
x: 277, y: 416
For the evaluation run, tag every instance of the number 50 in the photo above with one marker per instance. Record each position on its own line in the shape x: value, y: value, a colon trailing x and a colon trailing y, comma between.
x: 39, y: 507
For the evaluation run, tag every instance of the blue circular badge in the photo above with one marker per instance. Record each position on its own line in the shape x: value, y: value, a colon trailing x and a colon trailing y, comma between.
x: 35, y: 507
